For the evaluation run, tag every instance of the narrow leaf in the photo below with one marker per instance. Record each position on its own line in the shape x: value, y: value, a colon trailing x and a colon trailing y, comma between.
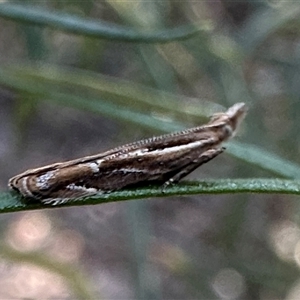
x: 11, y: 201
x: 91, y: 27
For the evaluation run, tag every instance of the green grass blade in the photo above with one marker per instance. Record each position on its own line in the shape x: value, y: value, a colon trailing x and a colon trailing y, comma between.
x: 12, y: 202
x: 263, y: 159
x: 94, y: 28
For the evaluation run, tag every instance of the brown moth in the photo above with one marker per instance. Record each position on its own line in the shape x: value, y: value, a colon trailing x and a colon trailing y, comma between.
x: 164, y: 159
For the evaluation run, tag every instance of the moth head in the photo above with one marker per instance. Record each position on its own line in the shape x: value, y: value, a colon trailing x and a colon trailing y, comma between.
x: 236, y: 115
x: 231, y: 118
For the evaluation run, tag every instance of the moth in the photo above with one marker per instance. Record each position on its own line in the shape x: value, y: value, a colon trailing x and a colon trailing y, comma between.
x: 162, y: 160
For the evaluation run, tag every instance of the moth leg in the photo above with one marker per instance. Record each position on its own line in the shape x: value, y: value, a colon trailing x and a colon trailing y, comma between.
x: 200, y: 160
